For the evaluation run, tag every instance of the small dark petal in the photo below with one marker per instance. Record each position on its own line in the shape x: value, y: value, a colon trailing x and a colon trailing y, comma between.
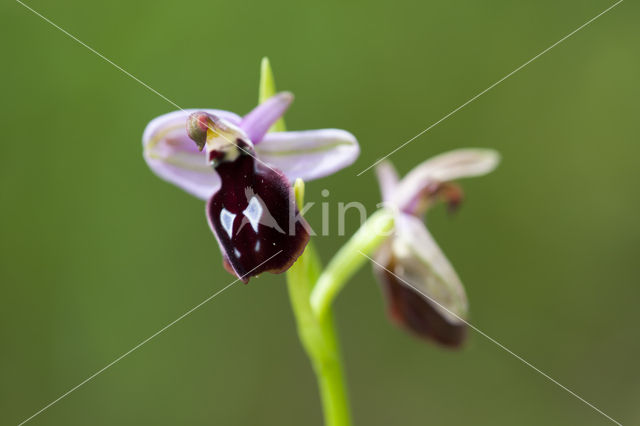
x: 414, y: 312
x: 453, y: 195
x: 448, y: 192
x: 255, y: 219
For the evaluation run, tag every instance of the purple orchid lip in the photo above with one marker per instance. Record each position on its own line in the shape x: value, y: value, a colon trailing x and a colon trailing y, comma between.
x: 255, y: 219
x: 254, y: 202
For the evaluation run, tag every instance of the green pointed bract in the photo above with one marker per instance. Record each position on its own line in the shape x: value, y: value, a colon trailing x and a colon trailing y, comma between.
x: 268, y: 89
x: 298, y: 190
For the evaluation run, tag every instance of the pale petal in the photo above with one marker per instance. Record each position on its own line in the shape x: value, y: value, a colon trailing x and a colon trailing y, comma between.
x: 175, y: 158
x: 423, y: 292
x: 387, y: 179
x: 309, y: 154
x: 452, y: 165
x: 427, y: 267
x: 261, y: 118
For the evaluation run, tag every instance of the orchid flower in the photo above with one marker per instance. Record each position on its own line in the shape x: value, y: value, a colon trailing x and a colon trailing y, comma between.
x: 251, y: 172
x: 423, y: 292
x: 245, y: 175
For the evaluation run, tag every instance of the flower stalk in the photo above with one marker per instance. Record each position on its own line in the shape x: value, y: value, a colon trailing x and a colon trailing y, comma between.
x: 319, y: 339
x: 312, y: 291
x: 317, y: 335
x: 348, y: 260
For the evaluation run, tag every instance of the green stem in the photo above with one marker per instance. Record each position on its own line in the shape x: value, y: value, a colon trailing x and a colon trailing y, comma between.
x: 312, y: 291
x: 317, y: 332
x: 349, y: 259
x: 319, y: 339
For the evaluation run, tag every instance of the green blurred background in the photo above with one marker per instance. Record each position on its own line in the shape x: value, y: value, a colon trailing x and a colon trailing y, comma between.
x: 96, y: 253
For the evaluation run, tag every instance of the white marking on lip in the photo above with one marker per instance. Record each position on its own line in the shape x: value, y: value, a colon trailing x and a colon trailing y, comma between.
x: 253, y: 212
x: 226, y: 217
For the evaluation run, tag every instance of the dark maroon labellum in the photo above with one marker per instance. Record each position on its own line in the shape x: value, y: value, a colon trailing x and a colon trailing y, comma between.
x: 413, y: 311
x: 255, y: 218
